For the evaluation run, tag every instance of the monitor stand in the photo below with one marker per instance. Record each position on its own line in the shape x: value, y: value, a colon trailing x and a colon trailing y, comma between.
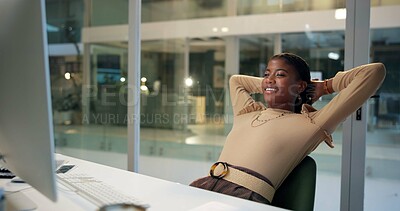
x: 18, y: 201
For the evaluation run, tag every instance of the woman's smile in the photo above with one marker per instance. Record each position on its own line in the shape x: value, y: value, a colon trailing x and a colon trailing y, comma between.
x: 270, y: 90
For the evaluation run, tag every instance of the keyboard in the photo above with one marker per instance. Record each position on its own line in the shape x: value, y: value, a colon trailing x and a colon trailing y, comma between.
x: 98, y: 192
x: 5, y: 173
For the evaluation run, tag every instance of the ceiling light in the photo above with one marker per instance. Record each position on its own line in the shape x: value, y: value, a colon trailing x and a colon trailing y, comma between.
x: 188, y: 82
x: 224, y: 29
x: 67, y: 75
x: 340, y: 14
x: 334, y: 56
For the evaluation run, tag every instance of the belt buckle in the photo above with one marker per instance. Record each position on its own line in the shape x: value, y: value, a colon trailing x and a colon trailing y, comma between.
x: 222, y: 174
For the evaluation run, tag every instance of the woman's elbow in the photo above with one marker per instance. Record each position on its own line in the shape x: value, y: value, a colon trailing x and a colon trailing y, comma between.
x: 377, y: 72
x: 234, y: 77
x: 380, y: 70
x: 233, y: 81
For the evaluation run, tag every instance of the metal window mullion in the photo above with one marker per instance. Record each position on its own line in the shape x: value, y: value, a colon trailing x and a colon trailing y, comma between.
x: 232, y: 60
x: 354, y: 131
x: 277, y: 43
x: 133, y: 118
x: 86, y: 81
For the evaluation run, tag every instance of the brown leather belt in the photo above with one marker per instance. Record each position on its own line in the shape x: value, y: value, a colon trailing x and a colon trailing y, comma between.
x: 221, y: 170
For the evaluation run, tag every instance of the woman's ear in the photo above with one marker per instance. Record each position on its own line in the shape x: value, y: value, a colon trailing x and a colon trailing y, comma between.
x: 302, y: 86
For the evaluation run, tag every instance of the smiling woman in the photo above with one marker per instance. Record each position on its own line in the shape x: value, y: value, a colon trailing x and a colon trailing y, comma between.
x: 287, y: 83
x: 288, y: 129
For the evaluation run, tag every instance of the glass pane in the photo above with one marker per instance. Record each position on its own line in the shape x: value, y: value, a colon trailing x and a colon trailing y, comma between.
x: 103, y: 12
x: 254, y: 52
x: 246, y: 7
x: 384, y: 2
x: 155, y: 10
x: 182, y: 117
x: 93, y: 128
x: 64, y: 21
x: 382, y: 181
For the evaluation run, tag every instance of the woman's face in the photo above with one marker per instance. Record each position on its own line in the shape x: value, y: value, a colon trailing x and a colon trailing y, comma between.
x: 281, y: 84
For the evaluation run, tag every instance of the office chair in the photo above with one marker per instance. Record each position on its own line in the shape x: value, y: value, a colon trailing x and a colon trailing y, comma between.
x: 297, y: 192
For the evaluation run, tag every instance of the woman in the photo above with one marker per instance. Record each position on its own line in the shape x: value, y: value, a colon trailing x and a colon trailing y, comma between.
x: 266, y: 143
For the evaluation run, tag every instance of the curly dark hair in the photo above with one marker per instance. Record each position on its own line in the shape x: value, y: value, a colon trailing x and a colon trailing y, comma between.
x: 303, y: 70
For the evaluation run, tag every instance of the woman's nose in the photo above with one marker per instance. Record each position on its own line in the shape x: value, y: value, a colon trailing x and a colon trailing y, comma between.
x: 270, y: 79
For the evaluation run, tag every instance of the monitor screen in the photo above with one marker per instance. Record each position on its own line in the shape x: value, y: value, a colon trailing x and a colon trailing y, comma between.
x: 26, y: 129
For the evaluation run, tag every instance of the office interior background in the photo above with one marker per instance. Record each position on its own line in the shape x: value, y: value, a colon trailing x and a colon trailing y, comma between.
x: 188, y: 50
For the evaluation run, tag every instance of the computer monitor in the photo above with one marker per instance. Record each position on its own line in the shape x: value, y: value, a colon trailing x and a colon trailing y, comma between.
x: 26, y: 129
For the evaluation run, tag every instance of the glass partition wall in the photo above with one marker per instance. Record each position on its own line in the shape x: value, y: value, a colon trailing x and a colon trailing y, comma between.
x: 183, y: 116
x: 382, y: 173
x: 100, y: 129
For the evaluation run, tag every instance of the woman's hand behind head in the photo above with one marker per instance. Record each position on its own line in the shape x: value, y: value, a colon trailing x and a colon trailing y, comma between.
x: 319, y: 89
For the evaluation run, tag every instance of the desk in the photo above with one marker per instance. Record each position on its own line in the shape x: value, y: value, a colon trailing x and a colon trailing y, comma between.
x: 160, y: 194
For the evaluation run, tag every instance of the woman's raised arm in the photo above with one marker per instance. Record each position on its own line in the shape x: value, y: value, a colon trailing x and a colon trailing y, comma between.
x: 241, y: 86
x: 354, y: 87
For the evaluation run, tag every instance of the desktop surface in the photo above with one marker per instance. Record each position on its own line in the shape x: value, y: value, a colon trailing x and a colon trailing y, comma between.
x: 159, y: 194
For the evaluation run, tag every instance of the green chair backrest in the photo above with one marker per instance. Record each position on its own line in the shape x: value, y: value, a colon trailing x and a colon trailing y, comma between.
x: 297, y: 192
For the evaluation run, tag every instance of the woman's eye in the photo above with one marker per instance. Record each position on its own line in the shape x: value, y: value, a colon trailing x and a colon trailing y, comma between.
x: 266, y: 75
x: 280, y: 75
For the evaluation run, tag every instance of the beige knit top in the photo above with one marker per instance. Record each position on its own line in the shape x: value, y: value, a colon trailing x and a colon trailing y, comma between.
x: 273, y: 141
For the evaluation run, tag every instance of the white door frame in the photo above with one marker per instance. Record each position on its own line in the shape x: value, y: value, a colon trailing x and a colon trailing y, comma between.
x: 355, y: 127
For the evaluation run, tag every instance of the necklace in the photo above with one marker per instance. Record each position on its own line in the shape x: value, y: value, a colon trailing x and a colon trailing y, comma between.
x: 257, y: 121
